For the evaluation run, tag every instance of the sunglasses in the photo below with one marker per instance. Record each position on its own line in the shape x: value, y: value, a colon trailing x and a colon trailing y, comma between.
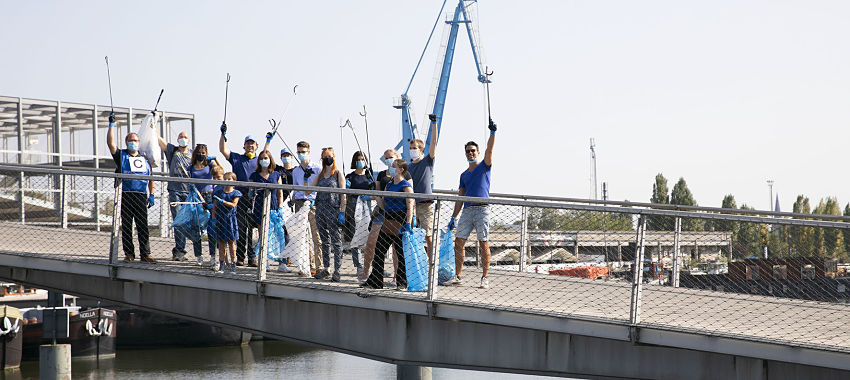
x: 471, y: 150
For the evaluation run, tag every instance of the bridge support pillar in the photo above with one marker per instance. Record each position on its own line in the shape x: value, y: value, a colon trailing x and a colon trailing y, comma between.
x: 412, y: 372
x: 54, y: 361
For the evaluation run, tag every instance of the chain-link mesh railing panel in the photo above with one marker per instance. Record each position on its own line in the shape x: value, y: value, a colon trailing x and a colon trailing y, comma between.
x: 763, y: 282
x: 557, y: 262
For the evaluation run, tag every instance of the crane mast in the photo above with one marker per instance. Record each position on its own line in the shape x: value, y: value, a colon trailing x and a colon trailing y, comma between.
x: 460, y: 17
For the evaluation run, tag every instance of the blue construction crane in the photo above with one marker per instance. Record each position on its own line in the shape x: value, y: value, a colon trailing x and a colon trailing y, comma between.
x: 462, y: 15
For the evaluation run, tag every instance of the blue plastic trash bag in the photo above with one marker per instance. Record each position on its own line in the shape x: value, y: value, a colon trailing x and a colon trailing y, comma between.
x: 447, y: 257
x: 277, y: 237
x: 191, y: 218
x: 415, y: 260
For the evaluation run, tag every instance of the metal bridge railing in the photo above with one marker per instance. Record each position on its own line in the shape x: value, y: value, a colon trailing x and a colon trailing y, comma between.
x: 760, y: 276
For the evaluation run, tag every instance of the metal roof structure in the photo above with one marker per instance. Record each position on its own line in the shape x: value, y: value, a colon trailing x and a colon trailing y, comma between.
x: 21, y: 118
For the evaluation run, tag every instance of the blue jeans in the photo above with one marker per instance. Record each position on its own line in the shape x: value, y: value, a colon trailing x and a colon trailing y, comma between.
x: 355, y: 256
x: 179, y: 238
x: 329, y: 234
x: 197, y: 245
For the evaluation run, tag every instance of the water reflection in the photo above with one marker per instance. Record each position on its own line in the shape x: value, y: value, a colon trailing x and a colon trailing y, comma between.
x: 258, y: 360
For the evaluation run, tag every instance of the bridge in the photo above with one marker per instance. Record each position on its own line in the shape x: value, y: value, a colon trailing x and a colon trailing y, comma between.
x: 525, y: 322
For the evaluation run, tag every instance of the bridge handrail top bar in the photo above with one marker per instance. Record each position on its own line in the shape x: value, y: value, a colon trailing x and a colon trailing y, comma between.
x: 830, y: 221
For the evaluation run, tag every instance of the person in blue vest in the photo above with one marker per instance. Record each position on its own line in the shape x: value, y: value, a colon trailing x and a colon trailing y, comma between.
x: 474, y: 182
x: 136, y: 195
x: 243, y: 166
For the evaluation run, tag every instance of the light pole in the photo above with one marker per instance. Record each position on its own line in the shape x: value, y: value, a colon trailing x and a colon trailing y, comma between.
x: 770, y: 203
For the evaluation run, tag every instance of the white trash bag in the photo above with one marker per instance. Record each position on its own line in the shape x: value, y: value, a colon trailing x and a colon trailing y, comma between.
x: 148, y: 142
x: 362, y: 215
x: 298, y: 247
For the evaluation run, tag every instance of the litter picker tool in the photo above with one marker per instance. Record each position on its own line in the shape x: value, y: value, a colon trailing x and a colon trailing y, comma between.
x: 157, y: 101
x: 487, y: 85
x: 226, y: 89
x: 109, y: 77
x: 368, y: 146
x: 275, y: 126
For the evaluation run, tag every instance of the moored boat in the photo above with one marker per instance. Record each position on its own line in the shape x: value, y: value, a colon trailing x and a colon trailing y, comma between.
x: 11, y: 337
x: 91, y: 333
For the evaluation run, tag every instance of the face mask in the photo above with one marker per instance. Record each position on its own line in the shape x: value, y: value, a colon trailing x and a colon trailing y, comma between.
x: 250, y: 155
x: 132, y: 146
x: 265, y: 163
x: 471, y: 161
x: 286, y: 160
x: 360, y: 164
x: 303, y: 157
x: 328, y: 161
x: 388, y: 161
x: 391, y: 171
x: 414, y: 154
x: 182, y: 142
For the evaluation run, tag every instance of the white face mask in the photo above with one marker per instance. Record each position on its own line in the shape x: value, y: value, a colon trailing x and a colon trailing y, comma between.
x: 182, y: 142
x: 415, y: 154
x: 287, y: 160
x: 265, y: 162
x: 303, y: 157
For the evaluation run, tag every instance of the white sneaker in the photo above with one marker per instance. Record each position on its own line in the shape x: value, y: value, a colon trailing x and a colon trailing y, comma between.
x: 454, y: 281
x: 283, y: 268
x: 232, y: 268
x: 485, y: 283
x: 200, y: 261
x: 213, y: 264
x: 217, y: 268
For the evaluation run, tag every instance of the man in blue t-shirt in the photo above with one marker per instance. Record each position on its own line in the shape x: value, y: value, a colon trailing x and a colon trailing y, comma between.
x: 242, y: 165
x: 474, y: 182
x: 136, y: 195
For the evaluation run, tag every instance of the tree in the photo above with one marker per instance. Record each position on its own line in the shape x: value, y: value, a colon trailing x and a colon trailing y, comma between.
x: 802, y: 239
x: 682, y: 196
x: 846, y: 232
x: 575, y: 220
x: 829, y: 242
x: 749, y: 239
x: 659, y: 196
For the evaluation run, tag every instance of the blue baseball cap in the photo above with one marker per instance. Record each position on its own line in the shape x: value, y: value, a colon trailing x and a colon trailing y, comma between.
x: 285, y: 151
x: 249, y: 137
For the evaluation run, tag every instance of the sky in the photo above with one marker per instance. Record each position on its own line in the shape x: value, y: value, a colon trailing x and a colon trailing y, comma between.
x: 726, y: 94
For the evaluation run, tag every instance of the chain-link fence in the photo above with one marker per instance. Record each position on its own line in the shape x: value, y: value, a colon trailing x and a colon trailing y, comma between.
x: 773, y: 277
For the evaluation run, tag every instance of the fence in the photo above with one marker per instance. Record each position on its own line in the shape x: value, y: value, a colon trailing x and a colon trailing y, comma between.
x: 762, y: 276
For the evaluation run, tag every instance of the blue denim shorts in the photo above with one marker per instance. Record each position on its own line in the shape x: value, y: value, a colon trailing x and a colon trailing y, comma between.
x: 477, y: 217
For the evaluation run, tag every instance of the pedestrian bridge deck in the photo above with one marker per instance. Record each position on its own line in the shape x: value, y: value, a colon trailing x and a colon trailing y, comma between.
x: 785, y: 322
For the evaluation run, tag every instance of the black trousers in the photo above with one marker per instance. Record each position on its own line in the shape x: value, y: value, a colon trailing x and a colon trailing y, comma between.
x: 245, y: 223
x: 134, y: 207
x: 385, y: 241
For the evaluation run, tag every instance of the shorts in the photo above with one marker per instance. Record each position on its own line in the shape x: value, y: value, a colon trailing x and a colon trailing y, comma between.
x: 425, y: 217
x: 477, y: 217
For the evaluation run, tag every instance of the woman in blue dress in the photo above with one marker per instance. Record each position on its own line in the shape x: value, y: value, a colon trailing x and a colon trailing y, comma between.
x: 226, y: 228
x: 265, y: 173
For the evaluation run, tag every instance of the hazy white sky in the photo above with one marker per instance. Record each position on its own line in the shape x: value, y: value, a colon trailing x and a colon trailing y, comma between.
x: 726, y: 93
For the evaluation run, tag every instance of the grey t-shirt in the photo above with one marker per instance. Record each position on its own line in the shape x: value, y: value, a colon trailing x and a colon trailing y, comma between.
x: 422, y: 173
x: 177, y: 162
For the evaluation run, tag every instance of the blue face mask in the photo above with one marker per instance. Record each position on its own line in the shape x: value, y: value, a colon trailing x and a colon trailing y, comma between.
x: 471, y: 161
x: 391, y: 171
x: 302, y: 157
x: 133, y: 146
x: 388, y: 161
x: 360, y: 164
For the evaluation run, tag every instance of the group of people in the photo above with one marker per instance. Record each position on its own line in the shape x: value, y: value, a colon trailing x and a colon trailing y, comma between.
x: 237, y: 210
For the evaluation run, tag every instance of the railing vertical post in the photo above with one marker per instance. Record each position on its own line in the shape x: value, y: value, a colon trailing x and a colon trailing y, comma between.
x: 637, y: 279
x: 677, y: 232
x: 164, y: 209
x: 115, y: 236
x: 523, y: 239
x: 434, y: 260
x: 63, y: 202
x: 262, y: 256
x: 21, y: 145
x: 95, y: 144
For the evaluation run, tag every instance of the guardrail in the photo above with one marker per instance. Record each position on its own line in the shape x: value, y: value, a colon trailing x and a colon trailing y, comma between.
x: 751, y: 273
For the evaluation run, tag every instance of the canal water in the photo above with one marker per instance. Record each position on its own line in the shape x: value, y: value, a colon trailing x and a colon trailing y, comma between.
x: 257, y: 360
